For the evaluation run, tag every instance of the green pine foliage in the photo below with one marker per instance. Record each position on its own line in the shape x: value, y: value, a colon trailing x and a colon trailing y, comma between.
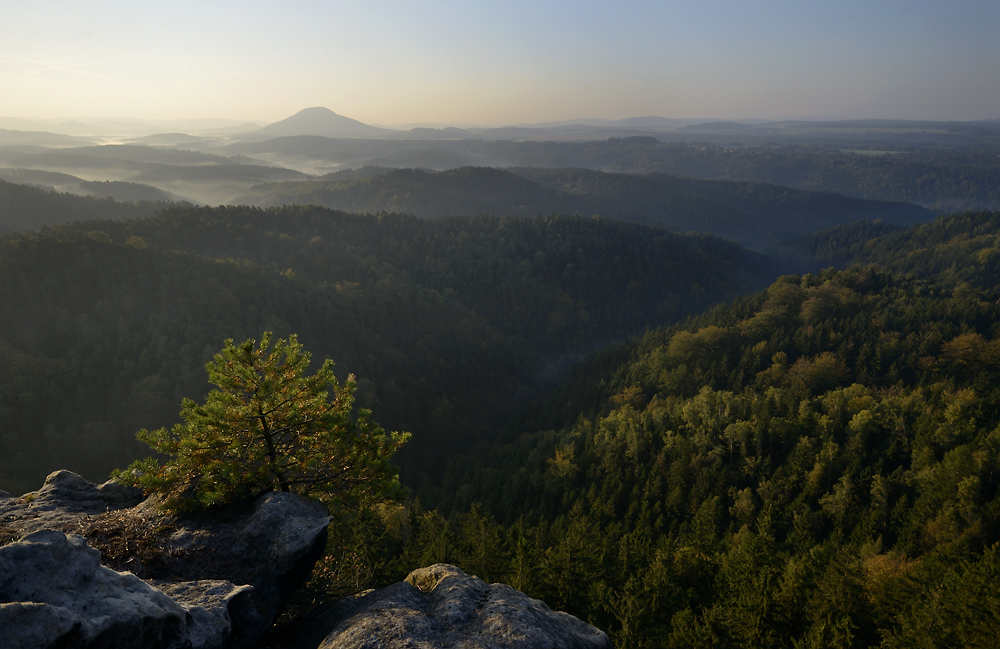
x: 267, y: 426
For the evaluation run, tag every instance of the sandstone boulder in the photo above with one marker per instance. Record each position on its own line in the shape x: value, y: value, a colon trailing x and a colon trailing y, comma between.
x: 64, y: 499
x: 54, y: 592
x: 226, y: 574
x: 441, y: 606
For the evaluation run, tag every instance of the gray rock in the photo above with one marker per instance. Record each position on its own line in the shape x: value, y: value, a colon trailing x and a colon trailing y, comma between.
x: 211, y: 607
x: 64, y: 499
x: 227, y: 574
x: 441, y: 606
x: 272, y: 546
x: 54, y: 592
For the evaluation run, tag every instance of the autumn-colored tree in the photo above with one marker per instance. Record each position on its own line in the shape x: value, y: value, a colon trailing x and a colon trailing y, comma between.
x: 269, y: 426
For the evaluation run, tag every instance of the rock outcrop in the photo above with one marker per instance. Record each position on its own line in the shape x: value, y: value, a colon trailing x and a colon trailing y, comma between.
x: 212, y: 581
x: 54, y: 592
x: 84, y: 566
x: 441, y: 606
x: 65, y: 498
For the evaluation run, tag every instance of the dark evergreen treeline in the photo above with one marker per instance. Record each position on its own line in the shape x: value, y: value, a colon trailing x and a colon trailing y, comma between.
x: 23, y: 207
x: 837, y: 246
x: 816, y: 466
x: 126, y: 191
x: 936, y: 179
x: 752, y: 214
x: 957, y: 248
x: 464, y: 191
x: 448, y: 324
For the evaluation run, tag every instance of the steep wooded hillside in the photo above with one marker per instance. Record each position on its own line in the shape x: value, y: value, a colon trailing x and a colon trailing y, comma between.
x: 817, y: 465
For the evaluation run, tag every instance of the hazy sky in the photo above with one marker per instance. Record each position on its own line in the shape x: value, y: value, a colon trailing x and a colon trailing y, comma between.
x: 489, y: 62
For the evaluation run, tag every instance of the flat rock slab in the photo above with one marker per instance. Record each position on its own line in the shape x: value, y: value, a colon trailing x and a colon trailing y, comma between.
x: 441, y: 606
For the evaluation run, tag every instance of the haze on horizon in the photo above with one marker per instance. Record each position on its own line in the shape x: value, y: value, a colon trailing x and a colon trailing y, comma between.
x: 391, y: 62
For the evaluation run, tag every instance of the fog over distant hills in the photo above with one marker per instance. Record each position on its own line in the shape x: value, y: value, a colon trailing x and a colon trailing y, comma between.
x: 938, y: 165
x: 208, y: 133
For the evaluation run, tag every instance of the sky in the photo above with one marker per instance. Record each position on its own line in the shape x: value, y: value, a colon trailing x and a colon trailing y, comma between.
x: 469, y: 62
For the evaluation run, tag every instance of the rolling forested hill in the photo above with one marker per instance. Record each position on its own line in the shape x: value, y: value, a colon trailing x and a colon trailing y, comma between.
x: 198, y: 176
x: 938, y: 176
x: 448, y: 324
x: 938, y: 180
x: 127, y: 191
x: 754, y: 215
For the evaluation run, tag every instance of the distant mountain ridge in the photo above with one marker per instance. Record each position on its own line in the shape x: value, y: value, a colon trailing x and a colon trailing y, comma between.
x: 39, y: 138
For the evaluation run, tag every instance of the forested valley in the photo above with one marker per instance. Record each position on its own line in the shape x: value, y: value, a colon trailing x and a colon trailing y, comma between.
x: 812, y: 466
x: 683, y: 441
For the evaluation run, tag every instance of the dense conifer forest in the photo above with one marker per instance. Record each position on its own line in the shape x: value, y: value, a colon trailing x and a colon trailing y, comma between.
x: 24, y: 207
x: 816, y: 465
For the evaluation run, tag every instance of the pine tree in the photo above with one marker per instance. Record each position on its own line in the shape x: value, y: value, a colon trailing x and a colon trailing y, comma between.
x: 269, y: 426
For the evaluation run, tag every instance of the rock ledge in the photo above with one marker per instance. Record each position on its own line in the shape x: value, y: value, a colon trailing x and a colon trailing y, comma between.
x: 441, y: 606
x: 213, y: 581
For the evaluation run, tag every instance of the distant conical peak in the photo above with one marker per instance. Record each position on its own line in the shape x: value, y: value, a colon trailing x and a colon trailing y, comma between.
x: 319, y: 120
x: 318, y: 110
